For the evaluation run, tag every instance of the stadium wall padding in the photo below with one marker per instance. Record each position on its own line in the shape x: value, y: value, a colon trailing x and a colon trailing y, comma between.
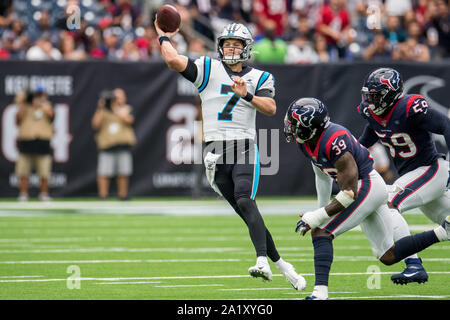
x: 165, y: 107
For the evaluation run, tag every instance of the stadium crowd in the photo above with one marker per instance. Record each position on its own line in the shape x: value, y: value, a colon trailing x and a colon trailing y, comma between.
x: 285, y: 31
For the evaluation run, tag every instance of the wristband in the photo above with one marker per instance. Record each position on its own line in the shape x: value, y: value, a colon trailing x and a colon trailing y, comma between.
x: 163, y: 38
x: 344, y: 198
x: 315, y: 218
x: 248, y: 97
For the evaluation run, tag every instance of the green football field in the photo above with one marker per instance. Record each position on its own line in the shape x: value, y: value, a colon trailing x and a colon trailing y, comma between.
x: 181, y: 249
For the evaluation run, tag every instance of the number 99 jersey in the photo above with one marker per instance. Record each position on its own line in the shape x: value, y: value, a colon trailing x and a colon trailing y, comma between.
x: 227, y: 116
x: 333, y: 143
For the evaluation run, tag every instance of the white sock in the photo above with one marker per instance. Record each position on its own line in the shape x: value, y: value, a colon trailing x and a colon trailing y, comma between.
x: 281, y: 264
x: 320, y: 292
x: 401, y: 228
x: 441, y: 234
x: 261, y: 260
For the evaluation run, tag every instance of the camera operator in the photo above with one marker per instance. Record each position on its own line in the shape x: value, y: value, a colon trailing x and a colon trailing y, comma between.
x: 115, y: 138
x: 35, y: 120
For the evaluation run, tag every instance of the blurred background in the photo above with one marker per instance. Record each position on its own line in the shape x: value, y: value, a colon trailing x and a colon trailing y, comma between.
x: 66, y: 54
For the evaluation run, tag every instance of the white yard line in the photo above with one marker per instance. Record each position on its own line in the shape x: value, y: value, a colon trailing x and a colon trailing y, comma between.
x: 135, y: 282
x: 116, y: 261
x: 10, y: 277
x: 125, y: 250
x: 190, y: 285
x: 343, y: 258
x: 199, y: 277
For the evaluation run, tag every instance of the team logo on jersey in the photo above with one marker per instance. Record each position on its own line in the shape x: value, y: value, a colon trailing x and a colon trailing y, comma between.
x: 305, y: 117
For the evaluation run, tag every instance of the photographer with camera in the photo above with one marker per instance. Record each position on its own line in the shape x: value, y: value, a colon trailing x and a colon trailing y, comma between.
x: 115, y: 138
x: 35, y: 120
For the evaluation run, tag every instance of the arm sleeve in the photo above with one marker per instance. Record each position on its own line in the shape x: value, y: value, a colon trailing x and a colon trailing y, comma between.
x: 433, y: 121
x: 324, y: 185
x: 190, y: 73
x: 368, y: 137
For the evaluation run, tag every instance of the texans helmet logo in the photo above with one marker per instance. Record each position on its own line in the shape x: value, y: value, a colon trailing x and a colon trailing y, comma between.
x: 392, y: 82
x: 305, y: 117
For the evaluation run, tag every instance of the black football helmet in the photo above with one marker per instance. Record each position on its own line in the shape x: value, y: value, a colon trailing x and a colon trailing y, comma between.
x: 381, y: 90
x: 305, y: 118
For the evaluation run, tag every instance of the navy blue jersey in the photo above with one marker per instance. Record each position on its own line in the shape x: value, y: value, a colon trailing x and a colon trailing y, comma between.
x: 402, y: 131
x: 334, y: 142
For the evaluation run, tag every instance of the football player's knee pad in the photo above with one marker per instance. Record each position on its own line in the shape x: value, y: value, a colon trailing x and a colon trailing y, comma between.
x: 242, y: 189
x: 247, y: 207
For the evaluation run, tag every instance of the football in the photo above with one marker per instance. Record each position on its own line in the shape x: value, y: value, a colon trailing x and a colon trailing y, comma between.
x: 168, y: 18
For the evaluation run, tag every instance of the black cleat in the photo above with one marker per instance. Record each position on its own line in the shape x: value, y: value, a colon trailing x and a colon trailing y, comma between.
x: 414, y: 272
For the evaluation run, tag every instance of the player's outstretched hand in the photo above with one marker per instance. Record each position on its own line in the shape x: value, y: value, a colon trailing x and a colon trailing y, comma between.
x: 239, y: 86
x: 162, y: 33
x: 302, y: 227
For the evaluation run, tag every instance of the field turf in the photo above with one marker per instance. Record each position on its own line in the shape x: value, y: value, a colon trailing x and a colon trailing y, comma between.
x: 196, y: 250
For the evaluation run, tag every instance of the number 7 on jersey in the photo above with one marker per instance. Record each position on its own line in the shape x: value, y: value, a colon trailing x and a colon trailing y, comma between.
x: 225, y: 114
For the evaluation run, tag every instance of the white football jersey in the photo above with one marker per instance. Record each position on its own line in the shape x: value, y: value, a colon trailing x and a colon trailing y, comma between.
x: 226, y: 116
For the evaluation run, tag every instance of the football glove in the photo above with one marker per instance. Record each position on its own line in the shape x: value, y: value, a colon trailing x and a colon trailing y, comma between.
x: 302, y: 227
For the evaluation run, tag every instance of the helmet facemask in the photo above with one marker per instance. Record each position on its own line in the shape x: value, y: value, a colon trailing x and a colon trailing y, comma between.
x: 375, y: 101
x: 239, y: 32
x: 237, y: 55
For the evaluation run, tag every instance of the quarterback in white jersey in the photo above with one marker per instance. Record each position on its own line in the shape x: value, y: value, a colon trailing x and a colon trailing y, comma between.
x: 231, y: 93
x: 226, y: 115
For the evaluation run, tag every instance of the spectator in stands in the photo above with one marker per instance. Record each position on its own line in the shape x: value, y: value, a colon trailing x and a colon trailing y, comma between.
x: 412, y: 49
x: 398, y: 7
x: 270, y: 12
x: 129, y: 50
x: 394, y: 32
x: 6, y: 13
x: 43, y: 50
x: 113, y: 121
x: 68, y: 49
x: 302, y: 27
x: 334, y: 23
x: 306, y: 8
x: 35, y: 120
x: 378, y: 50
x: 110, y: 44
x: 15, y: 39
x: 300, y: 51
x: 320, y: 45
x: 196, y: 48
x: 125, y: 14
x: 200, y: 13
x: 44, y: 28
x: 439, y: 25
x: 270, y: 49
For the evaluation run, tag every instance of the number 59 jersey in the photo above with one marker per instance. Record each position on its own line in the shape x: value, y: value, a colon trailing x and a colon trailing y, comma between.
x: 227, y: 116
x: 401, y: 132
x: 334, y: 142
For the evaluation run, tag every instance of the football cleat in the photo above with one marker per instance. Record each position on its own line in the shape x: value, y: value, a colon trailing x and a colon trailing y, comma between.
x: 446, y: 226
x: 261, y: 271
x: 314, y: 298
x: 414, y: 272
x: 296, y: 280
